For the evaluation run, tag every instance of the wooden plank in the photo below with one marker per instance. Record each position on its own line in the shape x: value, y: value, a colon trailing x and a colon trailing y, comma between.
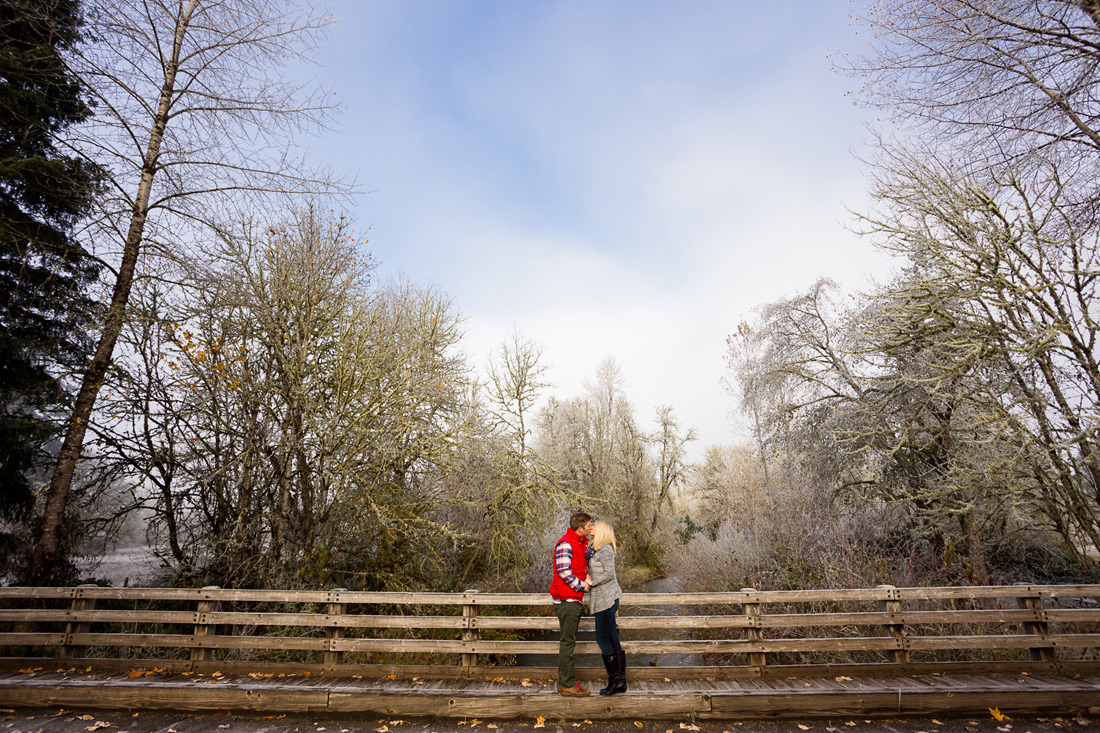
x: 203, y: 628
x: 533, y: 599
x: 829, y: 704
x: 973, y: 592
x: 332, y: 656
x: 874, y: 618
x: 211, y: 642
x: 31, y: 639
x: 624, y: 622
x: 345, y: 620
x: 1072, y: 615
x: 98, y: 616
x: 69, y: 649
x: 1004, y: 641
x: 1039, y: 628
x: 508, y: 704
x: 191, y: 698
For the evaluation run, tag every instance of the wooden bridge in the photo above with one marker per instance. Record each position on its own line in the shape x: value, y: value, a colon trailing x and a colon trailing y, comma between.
x: 806, y: 653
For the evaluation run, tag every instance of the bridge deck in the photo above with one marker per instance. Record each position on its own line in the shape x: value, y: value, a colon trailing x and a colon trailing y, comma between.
x: 489, y: 697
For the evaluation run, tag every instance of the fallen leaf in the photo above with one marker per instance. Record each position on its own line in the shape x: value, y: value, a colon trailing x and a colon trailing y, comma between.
x: 998, y: 715
x: 639, y: 723
x: 99, y: 724
x: 525, y: 683
x: 936, y: 722
x: 84, y: 717
x: 851, y: 723
x: 842, y: 678
x: 1081, y: 720
x: 803, y: 727
x: 540, y: 722
x: 223, y: 726
x: 492, y: 726
x: 383, y: 729
x: 684, y: 726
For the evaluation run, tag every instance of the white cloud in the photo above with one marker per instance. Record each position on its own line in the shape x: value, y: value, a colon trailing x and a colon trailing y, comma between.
x: 624, y: 180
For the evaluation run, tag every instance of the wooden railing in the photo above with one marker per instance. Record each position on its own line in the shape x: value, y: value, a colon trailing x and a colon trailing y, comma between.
x: 749, y: 633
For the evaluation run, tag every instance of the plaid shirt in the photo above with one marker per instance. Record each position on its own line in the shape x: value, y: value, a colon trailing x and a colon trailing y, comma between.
x: 563, y: 566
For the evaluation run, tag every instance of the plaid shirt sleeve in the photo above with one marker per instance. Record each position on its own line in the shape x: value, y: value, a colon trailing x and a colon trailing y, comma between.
x: 563, y: 566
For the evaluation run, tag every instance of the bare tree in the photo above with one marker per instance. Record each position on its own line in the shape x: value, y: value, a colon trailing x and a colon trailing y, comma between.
x: 671, y: 463
x: 192, y: 107
x: 1009, y: 273
x: 515, y: 380
x: 1011, y: 81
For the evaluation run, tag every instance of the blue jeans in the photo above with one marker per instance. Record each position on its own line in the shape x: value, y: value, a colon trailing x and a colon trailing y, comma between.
x: 607, y: 631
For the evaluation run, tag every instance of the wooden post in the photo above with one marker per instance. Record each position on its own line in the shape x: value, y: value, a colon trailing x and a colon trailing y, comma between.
x: 753, y: 632
x: 1040, y: 627
x: 335, y: 608
x: 892, y: 604
x: 202, y: 628
x: 75, y: 651
x: 470, y: 632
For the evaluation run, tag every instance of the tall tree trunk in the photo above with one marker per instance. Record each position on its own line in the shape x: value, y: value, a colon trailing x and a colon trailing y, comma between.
x: 47, y: 550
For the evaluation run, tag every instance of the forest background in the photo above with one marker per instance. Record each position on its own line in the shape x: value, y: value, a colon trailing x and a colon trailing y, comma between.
x: 198, y: 352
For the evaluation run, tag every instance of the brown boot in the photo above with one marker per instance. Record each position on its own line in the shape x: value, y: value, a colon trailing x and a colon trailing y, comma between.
x: 575, y: 691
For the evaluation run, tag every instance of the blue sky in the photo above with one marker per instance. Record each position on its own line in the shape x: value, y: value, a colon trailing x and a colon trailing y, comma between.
x: 613, y: 179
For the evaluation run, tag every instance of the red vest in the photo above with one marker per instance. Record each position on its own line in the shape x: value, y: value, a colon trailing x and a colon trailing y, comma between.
x: 558, y: 587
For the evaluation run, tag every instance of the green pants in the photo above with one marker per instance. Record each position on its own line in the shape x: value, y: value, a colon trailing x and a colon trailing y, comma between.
x: 569, y: 617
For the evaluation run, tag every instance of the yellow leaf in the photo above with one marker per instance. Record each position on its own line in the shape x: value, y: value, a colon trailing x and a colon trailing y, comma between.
x: 638, y: 723
x: 998, y: 715
x: 842, y: 678
x: 383, y: 729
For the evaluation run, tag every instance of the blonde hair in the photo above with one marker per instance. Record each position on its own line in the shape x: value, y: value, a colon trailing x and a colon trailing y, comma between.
x: 603, y: 534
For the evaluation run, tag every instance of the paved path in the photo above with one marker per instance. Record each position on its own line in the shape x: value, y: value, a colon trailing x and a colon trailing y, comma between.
x: 93, y: 721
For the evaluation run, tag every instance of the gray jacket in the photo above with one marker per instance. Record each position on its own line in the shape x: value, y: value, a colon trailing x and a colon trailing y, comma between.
x: 605, y: 587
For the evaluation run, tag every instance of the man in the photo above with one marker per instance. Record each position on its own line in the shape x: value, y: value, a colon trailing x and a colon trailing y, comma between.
x: 567, y: 589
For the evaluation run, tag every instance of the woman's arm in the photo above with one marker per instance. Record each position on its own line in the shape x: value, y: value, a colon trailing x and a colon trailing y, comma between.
x: 601, y: 568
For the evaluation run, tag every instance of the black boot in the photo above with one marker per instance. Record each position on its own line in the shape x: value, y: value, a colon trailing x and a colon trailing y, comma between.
x: 610, y: 663
x: 619, y: 681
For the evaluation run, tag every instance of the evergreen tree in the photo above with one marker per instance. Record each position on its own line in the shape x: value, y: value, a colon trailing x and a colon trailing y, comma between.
x: 44, y: 273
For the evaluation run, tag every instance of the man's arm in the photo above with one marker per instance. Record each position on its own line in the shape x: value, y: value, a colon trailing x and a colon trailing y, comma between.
x: 563, y: 566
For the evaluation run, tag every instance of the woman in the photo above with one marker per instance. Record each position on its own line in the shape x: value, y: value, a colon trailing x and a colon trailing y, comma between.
x: 603, y: 601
